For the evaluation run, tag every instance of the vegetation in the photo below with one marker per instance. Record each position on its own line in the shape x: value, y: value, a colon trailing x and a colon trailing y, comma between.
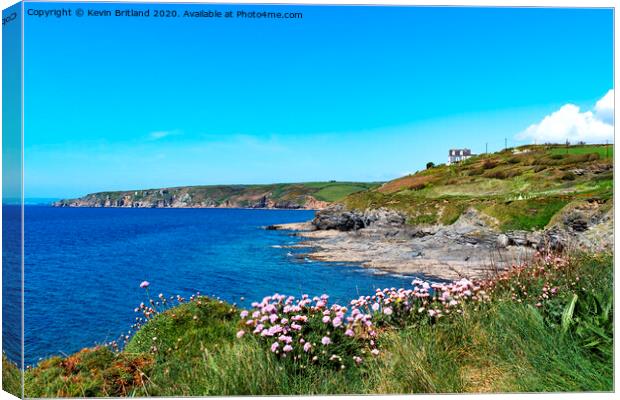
x: 11, y: 377
x: 521, y: 188
x: 279, y: 195
x: 556, y: 313
x: 604, y: 151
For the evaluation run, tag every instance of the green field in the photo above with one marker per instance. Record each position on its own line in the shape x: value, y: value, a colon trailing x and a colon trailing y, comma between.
x: 604, y: 151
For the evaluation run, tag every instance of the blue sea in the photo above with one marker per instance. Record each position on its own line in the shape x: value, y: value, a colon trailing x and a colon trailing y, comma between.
x: 83, y: 267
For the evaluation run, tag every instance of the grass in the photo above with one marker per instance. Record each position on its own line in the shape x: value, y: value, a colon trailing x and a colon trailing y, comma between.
x: 192, y: 349
x: 11, y: 377
x: 602, y: 150
x: 522, y: 188
x: 529, y: 214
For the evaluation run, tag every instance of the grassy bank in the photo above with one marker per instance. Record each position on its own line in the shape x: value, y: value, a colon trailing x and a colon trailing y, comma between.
x: 521, y: 188
x: 543, y: 327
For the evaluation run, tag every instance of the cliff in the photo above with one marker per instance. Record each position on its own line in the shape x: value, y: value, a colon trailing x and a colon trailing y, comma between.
x: 312, y: 195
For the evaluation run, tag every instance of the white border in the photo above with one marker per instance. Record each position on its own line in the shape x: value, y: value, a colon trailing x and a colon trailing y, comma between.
x: 470, y: 3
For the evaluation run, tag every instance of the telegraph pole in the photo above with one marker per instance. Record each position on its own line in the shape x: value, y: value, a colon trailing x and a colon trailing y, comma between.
x: 505, y: 143
x: 486, y: 148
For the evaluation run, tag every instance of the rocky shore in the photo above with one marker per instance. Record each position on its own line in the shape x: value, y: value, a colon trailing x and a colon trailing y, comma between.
x: 471, y: 247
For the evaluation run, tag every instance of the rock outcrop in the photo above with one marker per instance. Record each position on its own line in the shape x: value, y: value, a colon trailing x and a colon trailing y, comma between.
x: 472, y: 246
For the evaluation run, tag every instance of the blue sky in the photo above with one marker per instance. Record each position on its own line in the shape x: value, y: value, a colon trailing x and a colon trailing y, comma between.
x: 346, y: 93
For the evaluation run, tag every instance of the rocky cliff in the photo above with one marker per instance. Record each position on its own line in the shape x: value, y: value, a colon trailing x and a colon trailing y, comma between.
x: 316, y: 195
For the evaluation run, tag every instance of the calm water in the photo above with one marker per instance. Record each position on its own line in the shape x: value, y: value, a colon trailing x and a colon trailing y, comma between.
x: 83, y: 267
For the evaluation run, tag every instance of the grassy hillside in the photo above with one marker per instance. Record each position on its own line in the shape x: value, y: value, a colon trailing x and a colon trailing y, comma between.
x: 557, y: 315
x: 520, y: 188
x: 279, y: 195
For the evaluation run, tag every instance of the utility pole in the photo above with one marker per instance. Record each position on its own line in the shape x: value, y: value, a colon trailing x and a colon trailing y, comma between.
x: 505, y: 143
x: 486, y: 148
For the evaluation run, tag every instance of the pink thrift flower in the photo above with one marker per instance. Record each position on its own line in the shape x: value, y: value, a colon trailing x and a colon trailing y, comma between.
x: 325, y: 319
x: 307, y: 347
x: 337, y: 322
x: 240, y: 334
x: 326, y: 340
x: 375, y: 307
x: 274, y: 347
x: 243, y: 314
x: 374, y: 352
x: 144, y: 284
x: 349, y: 332
x: 387, y: 311
x: 287, y: 348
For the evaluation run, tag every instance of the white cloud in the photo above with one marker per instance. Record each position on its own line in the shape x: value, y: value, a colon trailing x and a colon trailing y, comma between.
x: 604, y: 108
x: 570, y: 123
x: 162, y: 134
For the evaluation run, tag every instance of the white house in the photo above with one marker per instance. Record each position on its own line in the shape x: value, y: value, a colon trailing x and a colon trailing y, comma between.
x: 457, y: 155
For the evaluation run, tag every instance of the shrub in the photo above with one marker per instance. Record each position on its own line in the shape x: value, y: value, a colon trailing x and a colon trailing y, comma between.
x: 430, y: 165
x: 488, y: 164
x: 568, y: 176
x: 310, y: 331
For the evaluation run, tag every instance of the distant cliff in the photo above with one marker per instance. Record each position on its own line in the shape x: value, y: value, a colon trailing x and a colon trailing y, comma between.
x: 312, y: 195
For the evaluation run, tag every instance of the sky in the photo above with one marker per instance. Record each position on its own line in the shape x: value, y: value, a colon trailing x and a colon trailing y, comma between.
x: 345, y: 93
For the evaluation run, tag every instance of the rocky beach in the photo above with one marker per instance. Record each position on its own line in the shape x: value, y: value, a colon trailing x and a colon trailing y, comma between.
x: 470, y: 247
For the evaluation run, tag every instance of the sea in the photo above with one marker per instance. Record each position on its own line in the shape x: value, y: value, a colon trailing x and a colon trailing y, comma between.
x: 83, y: 268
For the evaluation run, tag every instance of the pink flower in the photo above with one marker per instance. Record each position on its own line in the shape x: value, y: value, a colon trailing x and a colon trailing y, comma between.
x: 144, y: 284
x: 287, y: 348
x: 326, y: 340
x: 374, y: 352
x: 274, y: 347
x: 349, y: 332
x: 325, y: 319
x: 375, y: 307
x: 337, y: 322
x: 387, y: 311
x: 240, y: 334
x: 243, y: 314
x: 358, y: 360
x: 307, y: 347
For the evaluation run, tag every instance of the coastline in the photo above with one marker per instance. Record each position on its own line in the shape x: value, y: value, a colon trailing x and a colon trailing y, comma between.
x: 469, y: 248
x: 373, y: 250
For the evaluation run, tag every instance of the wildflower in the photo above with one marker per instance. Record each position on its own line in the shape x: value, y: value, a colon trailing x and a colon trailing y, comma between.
x: 387, y: 311
x: 243, y: 314
x: 349, y: 332
x: 358, y: 360
x: 375, y: 307
x: 326, y: 340
x: 337, y: 322
x: 144, y: 284
x: 274, y: 347
x: 240, y: 334
x: 326, y: 319
x: 374, y: 352
x: 307, y: 347
x: 287, y: 348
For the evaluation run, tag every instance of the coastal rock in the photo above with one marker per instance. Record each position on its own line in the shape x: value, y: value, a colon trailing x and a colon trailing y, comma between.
x: 336, y: 218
